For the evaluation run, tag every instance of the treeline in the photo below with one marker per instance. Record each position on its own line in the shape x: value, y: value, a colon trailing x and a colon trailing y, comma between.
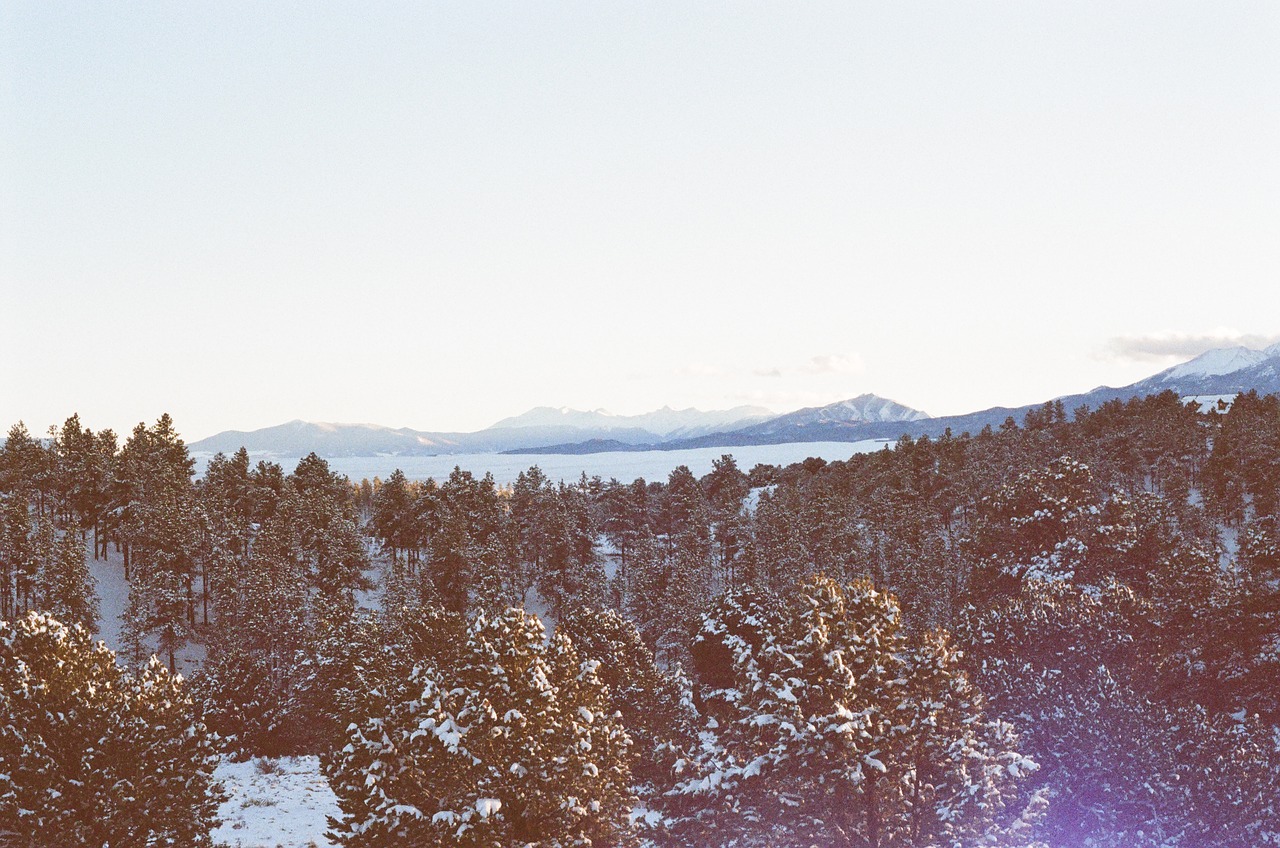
x: 1062, y: 632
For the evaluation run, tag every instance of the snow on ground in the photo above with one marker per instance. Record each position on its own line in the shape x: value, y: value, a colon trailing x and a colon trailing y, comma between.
x: 1230, y: 537
x: 274, y: 803
x: 624, y: 465
x: 752, y: 500
x: 113, y: 595
x: 379, y: 562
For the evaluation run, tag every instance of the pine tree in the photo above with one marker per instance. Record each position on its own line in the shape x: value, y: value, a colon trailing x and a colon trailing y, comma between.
x: 21, y: 460
x: 18, y: 557
x: 1127, y: 760
x: 655, y: 704
x: 94, y: 755
x: 835, y: 728
x: 514, y: 746
x: 66, y: 588
x: 261, y: 613
x: 392, y: 520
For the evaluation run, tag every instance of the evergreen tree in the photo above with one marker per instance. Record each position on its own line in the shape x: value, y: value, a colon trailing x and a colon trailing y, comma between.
x: 514, y: 746
x: 66, y: 588
x: 656, y: 705
x: 836, y: 729
x: 93, y: 755
x: 392, y: 520
x: 1081, y: 672
x: 18, y: 558
x: 262, y: 614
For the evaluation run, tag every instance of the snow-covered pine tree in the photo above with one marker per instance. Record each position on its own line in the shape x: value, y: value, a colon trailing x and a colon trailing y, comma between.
x: 392, y: 522
x: 656, y: 704
x: 92, y: 754
x: 18, y: 557
x: 514, y: 746
x: 65, y: 586
x: 343, y: 657
x: 833, y: 730
x: 165, y: 757
x: 1034, y: 528
x: 1125, y: 763
x: 262, y: 611
x: 643, y: 584
x: 571, y: 571
x: 21, y: 458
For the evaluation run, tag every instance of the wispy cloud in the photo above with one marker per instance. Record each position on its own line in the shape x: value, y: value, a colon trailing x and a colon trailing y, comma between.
x: 1165, y: 346
x: 784, y: 400
x: 835, y: 363
x: 823, y: 363
x: 703, y: 369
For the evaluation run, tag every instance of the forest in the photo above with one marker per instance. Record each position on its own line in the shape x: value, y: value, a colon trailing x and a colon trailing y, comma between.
x: 1064, y: 631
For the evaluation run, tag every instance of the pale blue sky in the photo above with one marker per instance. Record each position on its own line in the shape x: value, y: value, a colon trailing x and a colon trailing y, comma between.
x: 437, y: 215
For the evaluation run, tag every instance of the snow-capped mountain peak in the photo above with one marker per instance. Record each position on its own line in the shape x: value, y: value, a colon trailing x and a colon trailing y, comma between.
x: 1213, y: 363
x: 863, y: 409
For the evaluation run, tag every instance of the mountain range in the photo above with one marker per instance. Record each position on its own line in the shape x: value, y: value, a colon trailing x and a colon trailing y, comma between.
x: 1217, y: 373
x: 542, y: 425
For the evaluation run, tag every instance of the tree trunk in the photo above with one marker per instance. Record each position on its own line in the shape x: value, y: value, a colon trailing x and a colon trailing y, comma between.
x: 873, y: 812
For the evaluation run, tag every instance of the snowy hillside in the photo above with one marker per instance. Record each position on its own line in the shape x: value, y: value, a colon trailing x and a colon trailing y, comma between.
x: 863, y: 409
x: 1213, y: 363
x: 1222, y: 371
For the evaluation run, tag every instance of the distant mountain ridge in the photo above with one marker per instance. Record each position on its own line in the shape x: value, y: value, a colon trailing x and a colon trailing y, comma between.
x: 665, y: 422
x: 538, y: 426
x: 856, y: 412
x: 1223, y: 372
x: 864, y: 409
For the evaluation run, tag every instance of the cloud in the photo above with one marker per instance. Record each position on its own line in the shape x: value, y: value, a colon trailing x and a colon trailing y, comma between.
x: 825, y: 363
x: 822, y: 364
x: 834, y: 363
x: 702, y: 369
x: 1166, y: 346
x: 783, y: 399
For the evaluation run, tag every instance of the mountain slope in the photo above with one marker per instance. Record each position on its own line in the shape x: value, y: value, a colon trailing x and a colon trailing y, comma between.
x: 863, y: 409
x: 1223, y: 371
x: 298, y: 438
x: 664, y: 423
x: 864, y: 417
x: 538, y: 427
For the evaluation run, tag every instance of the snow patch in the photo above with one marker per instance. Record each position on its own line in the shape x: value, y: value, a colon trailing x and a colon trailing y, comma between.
x: 1210, y: 403
x: 274, y: 803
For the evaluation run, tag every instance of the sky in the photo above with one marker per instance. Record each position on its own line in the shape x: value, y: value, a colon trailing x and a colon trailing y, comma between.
x: 437, y: 215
